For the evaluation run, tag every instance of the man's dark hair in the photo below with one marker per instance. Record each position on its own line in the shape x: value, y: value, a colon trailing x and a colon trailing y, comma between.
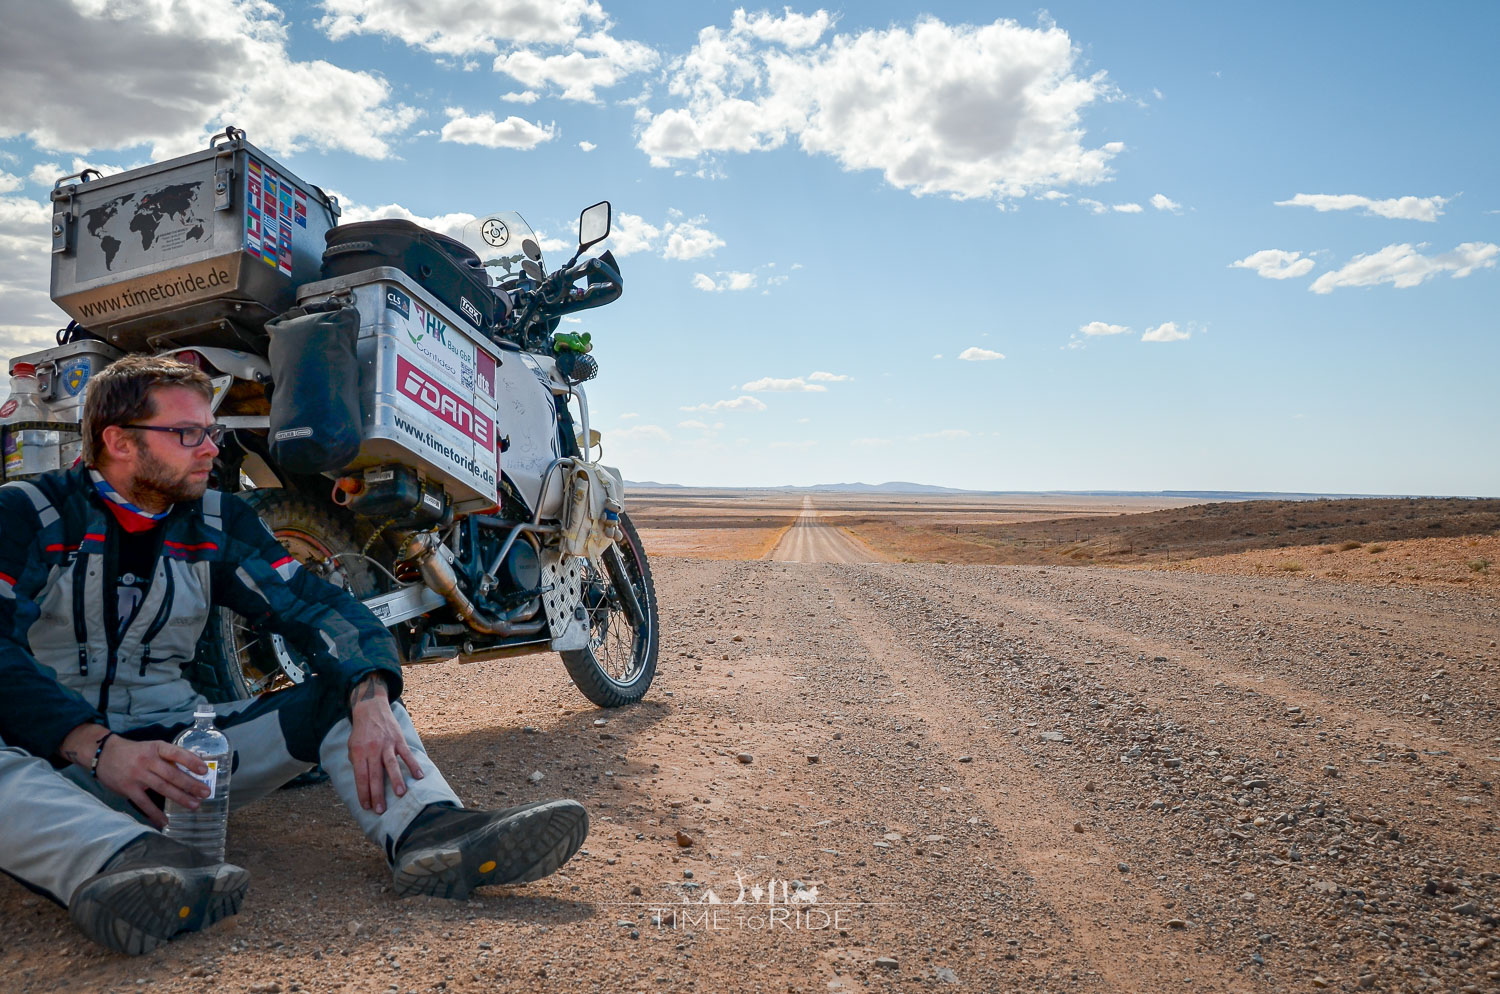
x: 120, y: 394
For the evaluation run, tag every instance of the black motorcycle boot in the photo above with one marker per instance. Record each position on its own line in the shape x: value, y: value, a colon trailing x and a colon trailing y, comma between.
x: 447, y: 852
x: 152, y: 889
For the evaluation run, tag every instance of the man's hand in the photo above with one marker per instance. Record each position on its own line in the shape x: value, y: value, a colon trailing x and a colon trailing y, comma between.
x: 375, y: 742
x: 131, y: 768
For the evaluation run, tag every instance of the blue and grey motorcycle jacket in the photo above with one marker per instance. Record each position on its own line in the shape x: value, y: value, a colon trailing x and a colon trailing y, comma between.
x: 61, y: 667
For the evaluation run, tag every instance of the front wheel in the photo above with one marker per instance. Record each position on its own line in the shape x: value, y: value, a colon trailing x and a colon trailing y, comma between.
x: 620, y: 662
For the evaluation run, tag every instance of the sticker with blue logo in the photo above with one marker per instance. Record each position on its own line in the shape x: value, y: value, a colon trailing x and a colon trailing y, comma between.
x: 74, y: 374
x: 397, y: 301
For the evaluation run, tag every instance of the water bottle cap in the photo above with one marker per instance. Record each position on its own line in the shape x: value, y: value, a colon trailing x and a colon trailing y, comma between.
x: 23, y: 369
x: 204, y: 710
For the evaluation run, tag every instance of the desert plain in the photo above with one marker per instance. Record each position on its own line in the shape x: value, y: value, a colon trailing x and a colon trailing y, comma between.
x: 986, y: 743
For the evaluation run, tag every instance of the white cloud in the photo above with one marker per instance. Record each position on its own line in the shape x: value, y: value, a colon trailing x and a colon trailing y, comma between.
x: 1129, y: 208
x: 1400, y: 208
x: 1166, y: 332
x: 795, y: 384
x: 1275, y: 264
x: 976, y: 354
x: 806, y: 443
x: 627, y: 417
x: 745, y: 403
x: 938, y: 356
x: 822, y: 377
x: 791, y: 30
x: 28, y: 318
x: 483, y: 129
x: 694, y: 424
x: 1164, y: 203
x: 1404, y: 266
x: 990, y: 111
x: 461, y: 27
x: 946, y: 433
x: 686, y: 240
x: 521, y: 97
x: 727, y: 281
x: 1103, y: 328
x: 10, y: 183
x: 1092, y: 204
x: 681, y: 239
x: 591, y: 62
x: 451, y: 225
x: 166, y: 73
x: 587, y: 146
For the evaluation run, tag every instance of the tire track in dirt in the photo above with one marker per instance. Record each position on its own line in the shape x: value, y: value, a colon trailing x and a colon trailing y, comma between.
x: 810, y: 540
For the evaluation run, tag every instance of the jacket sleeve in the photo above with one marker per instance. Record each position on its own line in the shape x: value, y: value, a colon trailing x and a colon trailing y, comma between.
x: 36, y: 712
x: 339, y: 636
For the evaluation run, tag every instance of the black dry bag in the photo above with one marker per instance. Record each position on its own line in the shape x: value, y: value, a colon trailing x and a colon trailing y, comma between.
x: 315, y: 415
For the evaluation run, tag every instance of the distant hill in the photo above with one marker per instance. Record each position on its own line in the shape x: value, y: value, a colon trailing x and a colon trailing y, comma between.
x: 900, y: 487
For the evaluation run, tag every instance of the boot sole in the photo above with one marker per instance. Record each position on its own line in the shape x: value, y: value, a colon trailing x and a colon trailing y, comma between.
x: 527, y: 846
x: 135, y: 911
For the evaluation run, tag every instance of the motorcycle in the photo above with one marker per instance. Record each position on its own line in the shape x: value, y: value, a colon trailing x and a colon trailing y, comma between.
x: 476, y: 521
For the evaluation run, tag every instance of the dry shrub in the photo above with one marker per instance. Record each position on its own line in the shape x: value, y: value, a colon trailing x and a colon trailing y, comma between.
x: 1292, y: 567
x: 1350, y: 545
x: 1377, y: 547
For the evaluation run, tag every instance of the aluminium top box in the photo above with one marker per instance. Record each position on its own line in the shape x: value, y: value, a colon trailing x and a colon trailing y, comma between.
x: 198, y: 250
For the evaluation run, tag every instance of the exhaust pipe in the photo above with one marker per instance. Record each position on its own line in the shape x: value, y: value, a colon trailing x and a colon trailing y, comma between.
x: 438, y: 574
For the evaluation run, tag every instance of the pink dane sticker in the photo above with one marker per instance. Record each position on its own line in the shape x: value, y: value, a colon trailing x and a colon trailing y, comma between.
x: 438, y: 399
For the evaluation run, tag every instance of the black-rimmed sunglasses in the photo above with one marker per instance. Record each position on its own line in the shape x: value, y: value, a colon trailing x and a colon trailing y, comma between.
x: 191, y: 436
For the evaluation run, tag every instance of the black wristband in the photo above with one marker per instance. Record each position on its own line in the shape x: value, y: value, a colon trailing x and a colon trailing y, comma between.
x: 99, y: 751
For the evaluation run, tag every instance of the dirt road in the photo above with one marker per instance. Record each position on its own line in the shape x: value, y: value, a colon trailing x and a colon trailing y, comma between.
x: 995, y: 778
x: 811, y: 540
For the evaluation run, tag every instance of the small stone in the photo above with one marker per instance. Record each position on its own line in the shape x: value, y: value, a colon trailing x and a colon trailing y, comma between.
x: 683, y: 839
x: 1367, y: 980
x: 1078, y: 827
x: 536, y: 776
x: 266, y: 987
x: 529, y: 730
x: 1051, y: 737
x: 635, y: 891
x: 837, y: 736
x: 945, y: 975
x: 892, y: 836
x: 886, y: 962
x: 964, y: 759
x: 1467, y: 908
x: 738, y: 638
x: 1123, y: 867
x: 1319, y: 982
x: 1176, y: 923
x: 1330, y: 771
x: 687, y: 874
x: 745, y: 758
x: 600, y: 722
x: 697, y: 666
x: 812, y: 757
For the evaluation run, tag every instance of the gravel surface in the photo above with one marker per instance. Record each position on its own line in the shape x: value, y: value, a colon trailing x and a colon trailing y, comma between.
x: 969, y: 777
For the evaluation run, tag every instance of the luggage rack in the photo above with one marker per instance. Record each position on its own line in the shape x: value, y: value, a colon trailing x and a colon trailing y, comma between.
x: 70, y: 427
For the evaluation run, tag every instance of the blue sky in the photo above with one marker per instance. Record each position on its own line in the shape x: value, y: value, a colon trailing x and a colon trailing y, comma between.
x: 1244, y: 248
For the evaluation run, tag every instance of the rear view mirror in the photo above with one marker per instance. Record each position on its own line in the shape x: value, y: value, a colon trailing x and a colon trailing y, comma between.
x: 533, y: 270
x: 593, y: 225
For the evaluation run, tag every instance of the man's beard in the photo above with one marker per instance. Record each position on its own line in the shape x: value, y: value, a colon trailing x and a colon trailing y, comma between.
x: 154, y: 479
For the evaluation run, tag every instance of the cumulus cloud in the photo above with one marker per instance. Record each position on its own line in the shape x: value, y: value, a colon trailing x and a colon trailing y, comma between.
x: 1404, y: 266
x: 795, y: 384
x: 677, y: 238
x: 565, y: 44
x: 1164, y: 203
x: 1166, y: 332
x: 10, y: 183
x: 1103, y: 328
x: 990, y: 111
x: 483, y: 129
x: 28, y: 318
x: 1275, y: 264
x: 976, y: 354
x: 165, y: 73
x: 592, y: 62
x: 451, y: 225
x: 1129, y: 208
x: 726, y: 281
x: 745, y: 403
x: 587, y: 146
x: 460, y: 27
x: 521, y: 97
x: 822, y: 377
x: 1401, y: 208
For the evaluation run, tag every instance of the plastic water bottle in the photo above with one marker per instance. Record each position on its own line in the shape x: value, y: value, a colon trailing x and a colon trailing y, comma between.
x: 204, y: 829
x: 33, y: 450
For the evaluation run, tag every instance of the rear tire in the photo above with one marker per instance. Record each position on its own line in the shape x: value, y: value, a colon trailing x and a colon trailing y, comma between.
x: 620, y: 663
x: 233, y: 661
